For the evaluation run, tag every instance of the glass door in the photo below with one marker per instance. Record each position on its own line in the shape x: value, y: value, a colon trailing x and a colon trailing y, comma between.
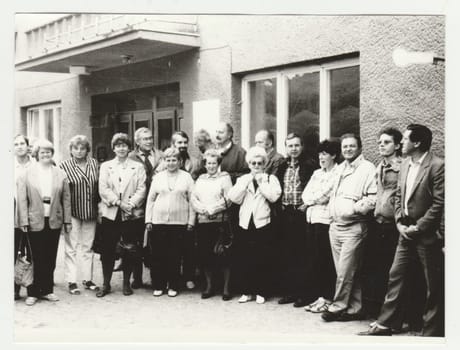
x: 165, y: 125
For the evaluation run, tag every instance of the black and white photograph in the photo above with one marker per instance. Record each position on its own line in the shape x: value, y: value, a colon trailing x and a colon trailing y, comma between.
x: 230, y: 177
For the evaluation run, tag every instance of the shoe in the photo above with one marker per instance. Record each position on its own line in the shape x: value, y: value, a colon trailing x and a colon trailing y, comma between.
x: 172, y: 293
x: 346, y: 317
x: 300, y: 302
x: 17, y: 296
x: 286, y: 300
x: 31, y: 301
x: 127, y: 289
x: 309, y: 307
x: 90, y: 285
x: 320, y: 307
x: 50, y: 297
x: 136, y: 284
x: 206, y: 295
x: 375, y: 330
x: 190, y: 284
x: 331, y: 316
x: 73, y: 288
x: 157, y: 293
x: 244, y: 298
x: 226, y: 297
x: 260, y: 299
x: 103, y: 292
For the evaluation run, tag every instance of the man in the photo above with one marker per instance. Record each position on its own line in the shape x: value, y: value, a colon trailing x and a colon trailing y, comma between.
x: 266, y: 140
x: 150, y: 157
x: 294, y: 174
x: 382, y: 240
x: 233, y: 156
x: 190, y: 164
x: 202, y: 140
x: 419, y: 205
x: 352, y: 198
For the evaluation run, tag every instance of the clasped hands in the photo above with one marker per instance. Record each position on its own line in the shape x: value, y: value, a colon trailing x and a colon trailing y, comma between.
x: 407, y: 231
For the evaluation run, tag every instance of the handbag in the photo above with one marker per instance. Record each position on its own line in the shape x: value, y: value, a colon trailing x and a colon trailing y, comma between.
x: 224, y: 241
x: 23, y: 266
x: 132, y: 250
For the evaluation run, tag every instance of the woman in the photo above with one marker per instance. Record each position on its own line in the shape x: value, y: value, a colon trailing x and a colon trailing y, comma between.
x: 122, y: 192
x: 44, y: 207
x: 316, y: 197
x: 168, y: 216
x: 254, y: 192
x: 209, y: 201
x: 82, y: 173
x: 22, y: 161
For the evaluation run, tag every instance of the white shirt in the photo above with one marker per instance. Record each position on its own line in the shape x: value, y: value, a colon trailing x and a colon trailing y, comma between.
x: 414, y: 168
x: 45, y: 179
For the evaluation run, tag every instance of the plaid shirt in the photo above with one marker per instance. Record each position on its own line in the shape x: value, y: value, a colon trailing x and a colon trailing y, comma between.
x: 292, y: 194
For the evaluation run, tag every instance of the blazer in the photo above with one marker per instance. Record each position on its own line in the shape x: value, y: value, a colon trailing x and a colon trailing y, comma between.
x: 426, y: 201
x: 132, y: 191
x: 253, y: 202
x: 30, y: 201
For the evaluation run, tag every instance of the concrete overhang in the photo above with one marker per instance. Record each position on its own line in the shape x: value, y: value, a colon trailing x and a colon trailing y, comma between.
x: 138, y: 45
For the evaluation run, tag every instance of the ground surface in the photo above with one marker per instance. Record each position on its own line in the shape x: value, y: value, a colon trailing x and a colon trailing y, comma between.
x: 186, y: 318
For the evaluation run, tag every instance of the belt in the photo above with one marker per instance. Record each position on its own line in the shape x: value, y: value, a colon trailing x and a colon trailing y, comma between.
x: 291, y: 207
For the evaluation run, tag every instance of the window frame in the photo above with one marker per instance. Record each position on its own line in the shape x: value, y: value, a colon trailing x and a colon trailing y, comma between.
x: 282, y: 76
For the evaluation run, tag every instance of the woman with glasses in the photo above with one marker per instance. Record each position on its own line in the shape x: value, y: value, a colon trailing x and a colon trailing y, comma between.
x: 254, y: 192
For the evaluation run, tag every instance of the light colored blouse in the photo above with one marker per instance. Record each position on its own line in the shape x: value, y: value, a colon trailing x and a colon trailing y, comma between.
x: 168, y: 201
x: 209, y: 194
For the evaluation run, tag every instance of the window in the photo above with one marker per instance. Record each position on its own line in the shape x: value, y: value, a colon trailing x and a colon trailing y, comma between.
x: 44, y: 122
x: 316, y: 102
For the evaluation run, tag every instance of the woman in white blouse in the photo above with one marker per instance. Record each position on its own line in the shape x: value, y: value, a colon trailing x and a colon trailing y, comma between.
x: 210, y: 203
x: 122, y: 191
x: 44, y: 207
x: 169, y: 215
x: 254, y: 192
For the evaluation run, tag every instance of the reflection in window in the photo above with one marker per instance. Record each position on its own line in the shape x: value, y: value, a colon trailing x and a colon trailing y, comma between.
x: 344, y: 101
x: 263, y: 106
x: 304, y: 109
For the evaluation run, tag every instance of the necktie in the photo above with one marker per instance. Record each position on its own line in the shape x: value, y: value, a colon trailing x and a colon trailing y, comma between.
x: 148, y: 165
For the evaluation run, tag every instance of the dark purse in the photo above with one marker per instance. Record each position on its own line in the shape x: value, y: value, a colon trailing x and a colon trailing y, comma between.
x: 132, y: 250
x: 23, y: 266
x: 224, y: 241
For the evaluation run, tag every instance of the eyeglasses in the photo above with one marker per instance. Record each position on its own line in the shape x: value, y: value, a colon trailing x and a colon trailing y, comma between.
x: 254, y: 163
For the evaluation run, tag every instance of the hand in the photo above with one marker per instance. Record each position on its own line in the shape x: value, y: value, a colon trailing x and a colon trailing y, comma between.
x: 126, y: 207
x: 303, y: 207
x: 412, y: 229
x: 149, y: 226
x: 403, y: 231
x: 261, y: 177
x: 25, y: 228
x: 67, y: 228
x: 189, y: 228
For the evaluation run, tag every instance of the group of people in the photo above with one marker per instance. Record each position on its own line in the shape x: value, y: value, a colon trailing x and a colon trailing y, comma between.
x: 272, y: 225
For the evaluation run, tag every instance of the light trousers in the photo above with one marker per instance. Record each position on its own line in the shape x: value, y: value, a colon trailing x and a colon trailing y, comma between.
x: 78, y: 245
x: 347, y: 251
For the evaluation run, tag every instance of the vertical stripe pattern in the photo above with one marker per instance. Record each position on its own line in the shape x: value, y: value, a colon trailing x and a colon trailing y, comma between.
x: 83, y: 188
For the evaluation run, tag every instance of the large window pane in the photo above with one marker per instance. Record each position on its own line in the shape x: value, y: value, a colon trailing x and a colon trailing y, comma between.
x: 263, y: 106
x: 345, y: 101
x: 304, y: 109
x: 33, y: 124
x: 48, y: 115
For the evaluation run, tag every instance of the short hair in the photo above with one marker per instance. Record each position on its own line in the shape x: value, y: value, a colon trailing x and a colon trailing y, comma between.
x: 202, y: 136
x: 179, y: 133
x: 79, y: 140
x: 330, y: 146
x: 352, y: 135
x: 171, y: 152
x: 26, y: 139
x: 395, y: 134
x: 138, y: 132
x: 229, y: 129
x: 42, y: 143
x: 212, y: 153
x: 291, y: 136
x: 255, y: 152
x: 120, y: 137
x: 269, y: 135
x: 420, y: 133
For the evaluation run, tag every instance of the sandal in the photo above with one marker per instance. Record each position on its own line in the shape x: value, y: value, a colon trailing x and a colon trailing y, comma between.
x: 73, y: 289
x: 309, y: 307
x: 90, y: 285
x: 320, y: 308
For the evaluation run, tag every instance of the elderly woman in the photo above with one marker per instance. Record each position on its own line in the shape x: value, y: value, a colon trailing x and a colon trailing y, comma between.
x: 254, y: 192
x: 44, y: 207
x: 168, y: 216
x: 316, y: 197
x: 22, y: 161
x: 209, y: 201
x: 83, y: 174
x: 122, y: 192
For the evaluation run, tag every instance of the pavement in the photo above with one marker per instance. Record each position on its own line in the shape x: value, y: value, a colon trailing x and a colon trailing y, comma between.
x: 186, y: 318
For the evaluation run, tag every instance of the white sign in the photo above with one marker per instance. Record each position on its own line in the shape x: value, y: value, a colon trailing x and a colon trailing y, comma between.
x: 206, y: 115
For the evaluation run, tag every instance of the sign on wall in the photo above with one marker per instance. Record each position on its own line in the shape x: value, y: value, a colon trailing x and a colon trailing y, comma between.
x: 206, y: 115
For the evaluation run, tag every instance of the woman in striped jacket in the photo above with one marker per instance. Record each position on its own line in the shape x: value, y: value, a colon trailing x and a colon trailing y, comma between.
x: 83, y: 173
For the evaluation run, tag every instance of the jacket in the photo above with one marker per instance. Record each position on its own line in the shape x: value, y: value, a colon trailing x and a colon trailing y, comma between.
x: 387, y: 183
x: 30, y: 201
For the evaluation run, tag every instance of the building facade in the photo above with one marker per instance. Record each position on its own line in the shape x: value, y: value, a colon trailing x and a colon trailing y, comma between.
x: 319, y: 76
